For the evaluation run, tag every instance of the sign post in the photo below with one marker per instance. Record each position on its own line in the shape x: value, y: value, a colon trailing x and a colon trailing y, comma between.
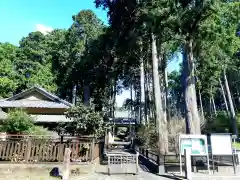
x: 196, y: 144
x: 66, y: 164
x: 188, y: 164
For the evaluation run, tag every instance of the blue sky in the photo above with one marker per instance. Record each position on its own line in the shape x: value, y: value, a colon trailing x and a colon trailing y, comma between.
x: 20, y: 17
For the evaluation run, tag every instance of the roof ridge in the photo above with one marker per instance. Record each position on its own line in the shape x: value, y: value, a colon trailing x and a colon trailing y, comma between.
x: 54, y: 96
x: 42, y: 91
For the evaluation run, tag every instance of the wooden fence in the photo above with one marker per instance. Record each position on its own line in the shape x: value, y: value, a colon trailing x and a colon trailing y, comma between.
x: 47, y: 150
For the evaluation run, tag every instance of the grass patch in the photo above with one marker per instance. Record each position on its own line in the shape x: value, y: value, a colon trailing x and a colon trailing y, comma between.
x: 236, y: 145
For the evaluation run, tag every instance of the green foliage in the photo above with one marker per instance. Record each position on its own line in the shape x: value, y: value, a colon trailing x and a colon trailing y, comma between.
x: 147, y: 136
x: 176, y: 93
x: 17, y: 121
x: 85, y: 121
x: 90, y: 54
x: 38, y: 130
x: 8, y: 83
x: 220, y: 123
x: 34, y: 64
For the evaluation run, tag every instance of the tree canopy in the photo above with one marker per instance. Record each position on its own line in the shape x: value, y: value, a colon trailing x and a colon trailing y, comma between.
x: 91, y: 63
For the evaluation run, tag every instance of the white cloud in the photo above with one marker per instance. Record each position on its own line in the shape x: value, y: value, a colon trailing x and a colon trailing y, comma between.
x: 43, y: 29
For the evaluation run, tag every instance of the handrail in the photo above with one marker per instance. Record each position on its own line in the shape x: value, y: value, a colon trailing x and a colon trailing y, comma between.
x: 148, y: 154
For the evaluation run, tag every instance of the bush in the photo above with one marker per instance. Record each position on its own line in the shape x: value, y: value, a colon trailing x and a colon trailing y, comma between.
x: 147, y: 136
x: 38, y: 130
x: 221, y: 123
x: 176, y: 126
x: 85, y: 121
x: 17, y: 121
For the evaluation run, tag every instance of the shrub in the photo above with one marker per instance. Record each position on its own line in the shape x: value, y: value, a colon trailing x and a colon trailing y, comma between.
x: 38, y: 130
x: 17, y: 121
x: 176, y: 126
x: 85, y: 121
x: 221, y: 123
x: 146, y: 136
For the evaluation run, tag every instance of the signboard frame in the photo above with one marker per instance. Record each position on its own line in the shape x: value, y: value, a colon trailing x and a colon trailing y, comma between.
x: 193, y: 136
x: 226, y: 154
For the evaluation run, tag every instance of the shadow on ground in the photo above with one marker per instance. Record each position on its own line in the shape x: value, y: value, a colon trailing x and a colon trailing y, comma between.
x: 152, y: 168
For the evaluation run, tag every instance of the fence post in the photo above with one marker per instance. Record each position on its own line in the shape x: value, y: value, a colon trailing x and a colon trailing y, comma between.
x: 158, y: 160
x: 28, y: 150
x: 60, y: 152
x: 108, y: 165
x: 147, y: 153
x: 161, y: 165
x: 66, y: 164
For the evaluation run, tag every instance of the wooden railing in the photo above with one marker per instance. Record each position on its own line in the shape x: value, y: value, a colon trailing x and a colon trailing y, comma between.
x: 47, y: 150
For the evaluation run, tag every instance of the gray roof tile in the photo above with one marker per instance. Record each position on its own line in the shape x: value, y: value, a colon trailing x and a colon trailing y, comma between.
x: 31, y: 104
x: 43, y: 92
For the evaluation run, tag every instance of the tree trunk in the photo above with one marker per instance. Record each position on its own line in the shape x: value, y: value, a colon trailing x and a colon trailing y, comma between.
x: 161, y: 125
x: 86, y: 94
x: 146, y: 92
x: 166, y: 94
x: 114, y: 97
x: 232, y: 110
x: 201, y: 105
x: 150, y: 98
x: 210, y: 107
x: 74, y: 90
x: 238, y: 97
x: 131, y: 96
x: 142, y: 92
x: 213, y: 105
x: 189, y: 84
x: 163, y: 94
x: 137, y: 99
x: 224, y: 96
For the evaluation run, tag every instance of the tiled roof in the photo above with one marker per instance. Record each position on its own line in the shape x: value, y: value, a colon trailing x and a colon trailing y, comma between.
x: 31, y: 104
x: 50, y: 96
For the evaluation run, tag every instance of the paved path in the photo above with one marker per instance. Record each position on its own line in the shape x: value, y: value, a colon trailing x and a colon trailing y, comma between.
x: 143, y: 174
x: 101, y: 174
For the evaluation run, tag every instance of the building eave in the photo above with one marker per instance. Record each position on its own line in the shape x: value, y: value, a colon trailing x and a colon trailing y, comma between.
x: 42, y: 91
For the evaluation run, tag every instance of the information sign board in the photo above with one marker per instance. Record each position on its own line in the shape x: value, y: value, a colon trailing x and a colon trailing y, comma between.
x: 221, y: 144
x: 196, y: 143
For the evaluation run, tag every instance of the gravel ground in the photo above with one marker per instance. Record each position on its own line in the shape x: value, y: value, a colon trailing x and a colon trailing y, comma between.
x: 87, y: 172
x: 38, y: 171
